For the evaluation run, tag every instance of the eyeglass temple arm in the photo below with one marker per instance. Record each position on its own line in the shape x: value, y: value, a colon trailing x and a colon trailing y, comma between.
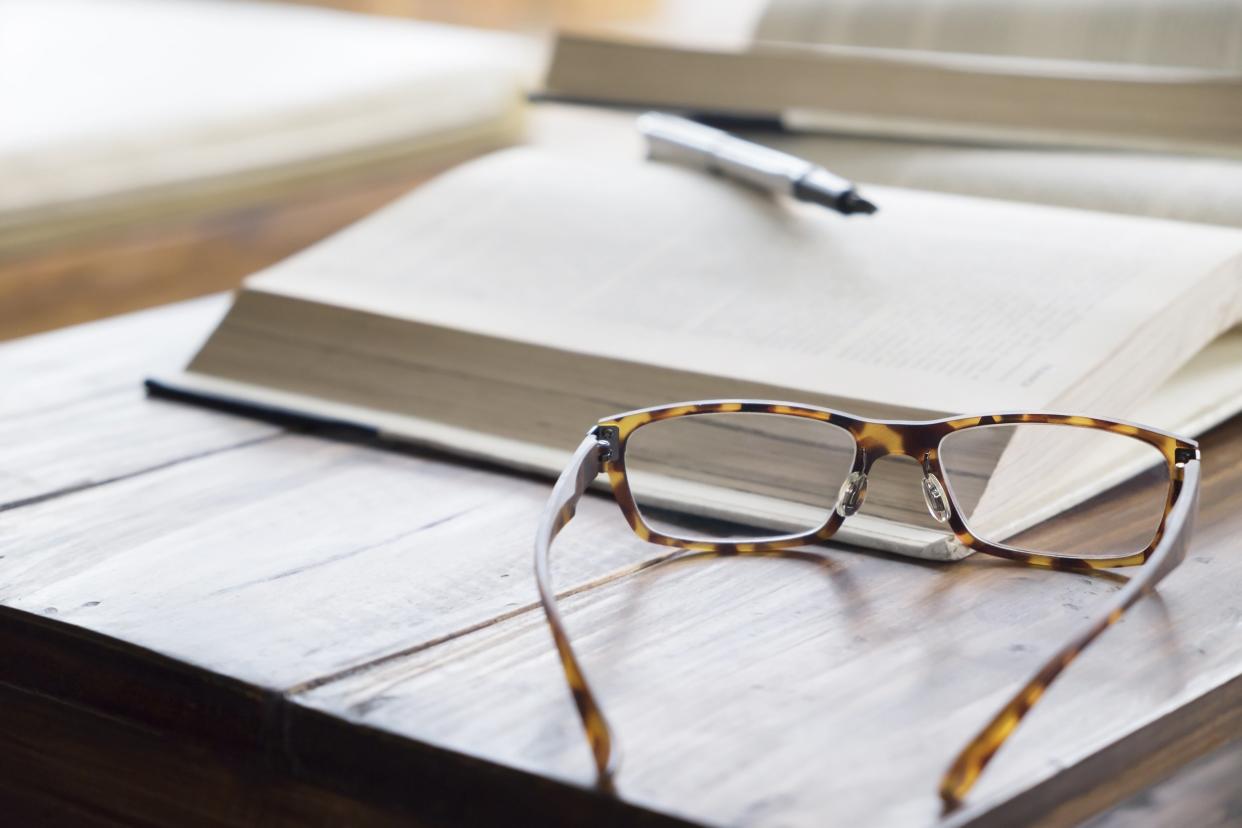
x: 585, y: 465
x: 1168, y: 553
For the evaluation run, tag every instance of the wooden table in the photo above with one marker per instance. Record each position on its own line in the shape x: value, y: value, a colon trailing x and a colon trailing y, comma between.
x: 209, y: 620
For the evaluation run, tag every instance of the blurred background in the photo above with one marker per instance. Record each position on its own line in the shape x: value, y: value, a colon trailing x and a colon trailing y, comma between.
x: 154, y: 151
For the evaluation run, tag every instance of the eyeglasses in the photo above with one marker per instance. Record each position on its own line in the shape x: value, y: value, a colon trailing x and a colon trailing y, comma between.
x: 748, y: 476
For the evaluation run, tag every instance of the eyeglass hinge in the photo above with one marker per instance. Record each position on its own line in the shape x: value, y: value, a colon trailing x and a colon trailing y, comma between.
x: 608, y: 437
x: 1182, y: 456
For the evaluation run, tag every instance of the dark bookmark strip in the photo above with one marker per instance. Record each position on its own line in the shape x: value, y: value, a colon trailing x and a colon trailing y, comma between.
x: 276, y: 415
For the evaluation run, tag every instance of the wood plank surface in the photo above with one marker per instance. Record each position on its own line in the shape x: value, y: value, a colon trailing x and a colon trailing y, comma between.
x: 118, y: 735
x: 1204, y: 794
x: 360, y: 623
x: 73, y: 412
x: 851, y: 679
x: 287, y: 561
x: 172, y: 257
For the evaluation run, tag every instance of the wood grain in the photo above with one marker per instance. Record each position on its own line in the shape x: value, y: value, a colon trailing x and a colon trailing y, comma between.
x: 882, y: 668
x: 73, y: 413
x: 175, y: 538
x: 286, y: 561
x: 132, y: 738
x: 166, y: 259
x: 1204, y: 794
x: 323, y: 619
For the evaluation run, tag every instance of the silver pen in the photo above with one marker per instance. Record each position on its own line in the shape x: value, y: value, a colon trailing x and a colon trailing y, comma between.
x: 670, y: 138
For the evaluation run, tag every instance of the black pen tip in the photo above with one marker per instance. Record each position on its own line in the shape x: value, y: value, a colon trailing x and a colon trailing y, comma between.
x: 852, y: 202
x: 832, y: 197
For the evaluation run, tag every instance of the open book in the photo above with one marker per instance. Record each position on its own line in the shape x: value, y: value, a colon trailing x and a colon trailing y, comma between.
x: 1132, y: 75
x: 503, y: 308
x: 1007, y: 99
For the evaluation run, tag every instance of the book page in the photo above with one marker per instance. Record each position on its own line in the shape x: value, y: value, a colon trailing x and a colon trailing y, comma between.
x: 1184, y: 188
x: 938, y: 302
x: 917, y: 94
x: 1204, y: 34
x: 1207, y: 190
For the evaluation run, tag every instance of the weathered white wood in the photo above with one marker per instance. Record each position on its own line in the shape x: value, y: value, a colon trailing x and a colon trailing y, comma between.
x: 784, y: 692
x: 73, y: 412
x: 776, y: 692
x: 291, y: 559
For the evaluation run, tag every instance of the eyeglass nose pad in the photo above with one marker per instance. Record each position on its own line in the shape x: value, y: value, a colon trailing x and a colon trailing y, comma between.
x: 935, y: 498
x: 852, y: 493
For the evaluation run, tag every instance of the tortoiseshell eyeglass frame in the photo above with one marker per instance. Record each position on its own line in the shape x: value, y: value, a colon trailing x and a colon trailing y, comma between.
x: 603, y: 450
